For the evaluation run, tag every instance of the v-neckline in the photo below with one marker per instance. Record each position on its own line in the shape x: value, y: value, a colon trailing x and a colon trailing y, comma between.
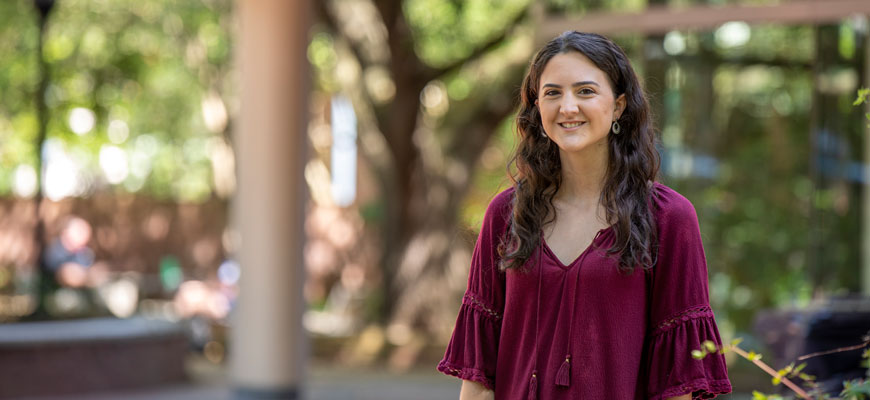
x: 556, y: 258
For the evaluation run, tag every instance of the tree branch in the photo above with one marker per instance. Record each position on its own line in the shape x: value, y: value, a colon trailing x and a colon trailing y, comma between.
x: 497, y: 103
x: 770, y: 371
x: 745, y: 61
x: 480, y: 51
x: 838, y: 350
x: 390, y: 10
x: 326, y: 16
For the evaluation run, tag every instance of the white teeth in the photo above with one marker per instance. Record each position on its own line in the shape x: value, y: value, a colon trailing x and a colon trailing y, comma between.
x: 571, y: 124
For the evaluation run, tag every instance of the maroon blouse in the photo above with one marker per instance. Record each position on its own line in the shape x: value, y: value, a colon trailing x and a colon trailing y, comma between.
x: 585, y: 330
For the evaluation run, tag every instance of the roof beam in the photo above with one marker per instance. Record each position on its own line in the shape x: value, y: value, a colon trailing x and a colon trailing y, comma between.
x: 665, y: 19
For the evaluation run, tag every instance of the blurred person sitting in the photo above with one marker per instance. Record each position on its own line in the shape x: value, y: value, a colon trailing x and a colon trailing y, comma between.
x: 68, y: 256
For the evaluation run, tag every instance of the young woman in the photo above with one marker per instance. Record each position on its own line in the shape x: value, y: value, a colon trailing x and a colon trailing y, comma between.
x: 588, y: 279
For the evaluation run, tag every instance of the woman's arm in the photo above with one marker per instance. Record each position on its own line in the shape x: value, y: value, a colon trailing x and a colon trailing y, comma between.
x: 683, y: 397
x: 474, y: 391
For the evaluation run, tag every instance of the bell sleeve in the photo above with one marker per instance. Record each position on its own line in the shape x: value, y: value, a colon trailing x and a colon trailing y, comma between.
x: 472, y: 351
x: 680, y: 313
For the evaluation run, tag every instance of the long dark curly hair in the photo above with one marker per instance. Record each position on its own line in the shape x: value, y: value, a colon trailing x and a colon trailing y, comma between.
x: 633, y: 165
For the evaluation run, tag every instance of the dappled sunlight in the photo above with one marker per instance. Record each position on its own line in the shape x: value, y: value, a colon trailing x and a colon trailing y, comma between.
x: 339, y: 260
x: 214, y: 112
x: 15, y: 222
x: 13, y: 307
x: 156, y: 225
x: 206, y: 252
x: 131, y: 238
x: 379, y: 84
x: 197, y: 298
x: 113, y: 161
x: 405, y: 128
x: 81, y: 120
x: 223, y: 163
x: 118, y: 131
x: 317, y: 178
x: 24, y: 181
x: 420, y: 305
x: 434, y: 99
x: 121, y: 296
x: 733, y: 34
x: 362, y: 23
x: 62, y: 172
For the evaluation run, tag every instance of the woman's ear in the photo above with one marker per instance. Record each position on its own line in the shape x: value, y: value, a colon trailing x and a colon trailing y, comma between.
x: 619, y: 107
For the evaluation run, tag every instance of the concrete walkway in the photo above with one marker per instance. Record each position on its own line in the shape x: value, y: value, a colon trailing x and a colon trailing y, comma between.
x: 325, y: 383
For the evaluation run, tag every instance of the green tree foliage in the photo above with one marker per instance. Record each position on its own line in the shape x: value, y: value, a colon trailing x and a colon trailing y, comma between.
x: 446, y: 31
x: 431, y: 81
x: 142, y: 68
x: 737, y: 134
x: 768, y: 223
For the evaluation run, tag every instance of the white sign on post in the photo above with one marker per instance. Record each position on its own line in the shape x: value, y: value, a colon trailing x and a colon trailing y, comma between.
x: 343, y: 165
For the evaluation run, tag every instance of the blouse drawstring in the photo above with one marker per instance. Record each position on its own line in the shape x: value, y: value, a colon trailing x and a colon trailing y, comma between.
x: 563, y: 376
x: 533, y: 381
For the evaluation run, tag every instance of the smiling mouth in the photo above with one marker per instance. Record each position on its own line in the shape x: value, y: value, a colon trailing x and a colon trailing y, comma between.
x: 570, y: 125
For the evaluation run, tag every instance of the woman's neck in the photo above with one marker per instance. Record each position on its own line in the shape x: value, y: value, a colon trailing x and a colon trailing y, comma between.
x: 583, y: 176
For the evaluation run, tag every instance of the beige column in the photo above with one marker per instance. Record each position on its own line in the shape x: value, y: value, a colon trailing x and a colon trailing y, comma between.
x: 268, y: 346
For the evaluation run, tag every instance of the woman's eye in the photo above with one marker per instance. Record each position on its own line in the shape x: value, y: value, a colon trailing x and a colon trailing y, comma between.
x: 551, y: 93
x: 586, y: 91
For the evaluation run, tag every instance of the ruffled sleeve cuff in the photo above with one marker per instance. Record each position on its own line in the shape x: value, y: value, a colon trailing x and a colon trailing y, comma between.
x: 472, y: 351
x: 673, y: 371
x: 466, y: 374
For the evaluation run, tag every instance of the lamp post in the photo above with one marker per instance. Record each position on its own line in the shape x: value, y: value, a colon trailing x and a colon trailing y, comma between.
x: 43, y: 7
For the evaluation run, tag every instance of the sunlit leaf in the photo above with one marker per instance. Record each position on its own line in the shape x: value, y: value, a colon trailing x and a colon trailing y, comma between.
x: 709, y: 345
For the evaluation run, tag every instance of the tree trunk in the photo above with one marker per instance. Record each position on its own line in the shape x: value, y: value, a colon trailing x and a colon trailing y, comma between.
x: 421, y: 193
x: 47, y: 284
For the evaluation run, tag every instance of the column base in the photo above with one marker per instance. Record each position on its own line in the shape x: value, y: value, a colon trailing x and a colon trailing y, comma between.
x: 290, y: 393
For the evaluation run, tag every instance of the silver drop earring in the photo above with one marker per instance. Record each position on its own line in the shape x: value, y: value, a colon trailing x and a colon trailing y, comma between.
x: 615, y: 127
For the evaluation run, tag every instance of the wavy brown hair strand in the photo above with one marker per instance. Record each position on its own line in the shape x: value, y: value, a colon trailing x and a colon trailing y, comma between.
x: 633, y: 166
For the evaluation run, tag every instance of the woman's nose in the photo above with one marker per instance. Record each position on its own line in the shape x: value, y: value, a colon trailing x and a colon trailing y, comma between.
x: 569, y: 106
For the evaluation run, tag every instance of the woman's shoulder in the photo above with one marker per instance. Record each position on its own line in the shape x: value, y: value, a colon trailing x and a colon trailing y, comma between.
x: 503, y: 198
x: 669, y: 205
x: 502, y: 204
x: 498, y: 214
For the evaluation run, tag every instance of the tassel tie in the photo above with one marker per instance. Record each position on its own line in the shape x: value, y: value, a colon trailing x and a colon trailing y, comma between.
x: 533, y: 386
x: 563, y: 377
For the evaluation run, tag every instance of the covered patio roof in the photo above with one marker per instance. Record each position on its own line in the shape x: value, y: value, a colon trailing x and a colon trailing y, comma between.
x: 657, y: 20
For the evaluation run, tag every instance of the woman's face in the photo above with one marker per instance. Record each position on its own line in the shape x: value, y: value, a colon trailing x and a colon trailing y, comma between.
x: 576, y: 103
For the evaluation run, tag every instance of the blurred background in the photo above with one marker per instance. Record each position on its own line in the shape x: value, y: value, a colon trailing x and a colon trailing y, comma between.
x: 119, y: 153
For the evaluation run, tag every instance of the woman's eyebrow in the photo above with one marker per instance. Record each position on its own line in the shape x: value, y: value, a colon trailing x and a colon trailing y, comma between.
x: 575, y: 84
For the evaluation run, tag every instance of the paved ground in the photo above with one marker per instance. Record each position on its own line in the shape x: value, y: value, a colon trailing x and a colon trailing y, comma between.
x: 325, y: 383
